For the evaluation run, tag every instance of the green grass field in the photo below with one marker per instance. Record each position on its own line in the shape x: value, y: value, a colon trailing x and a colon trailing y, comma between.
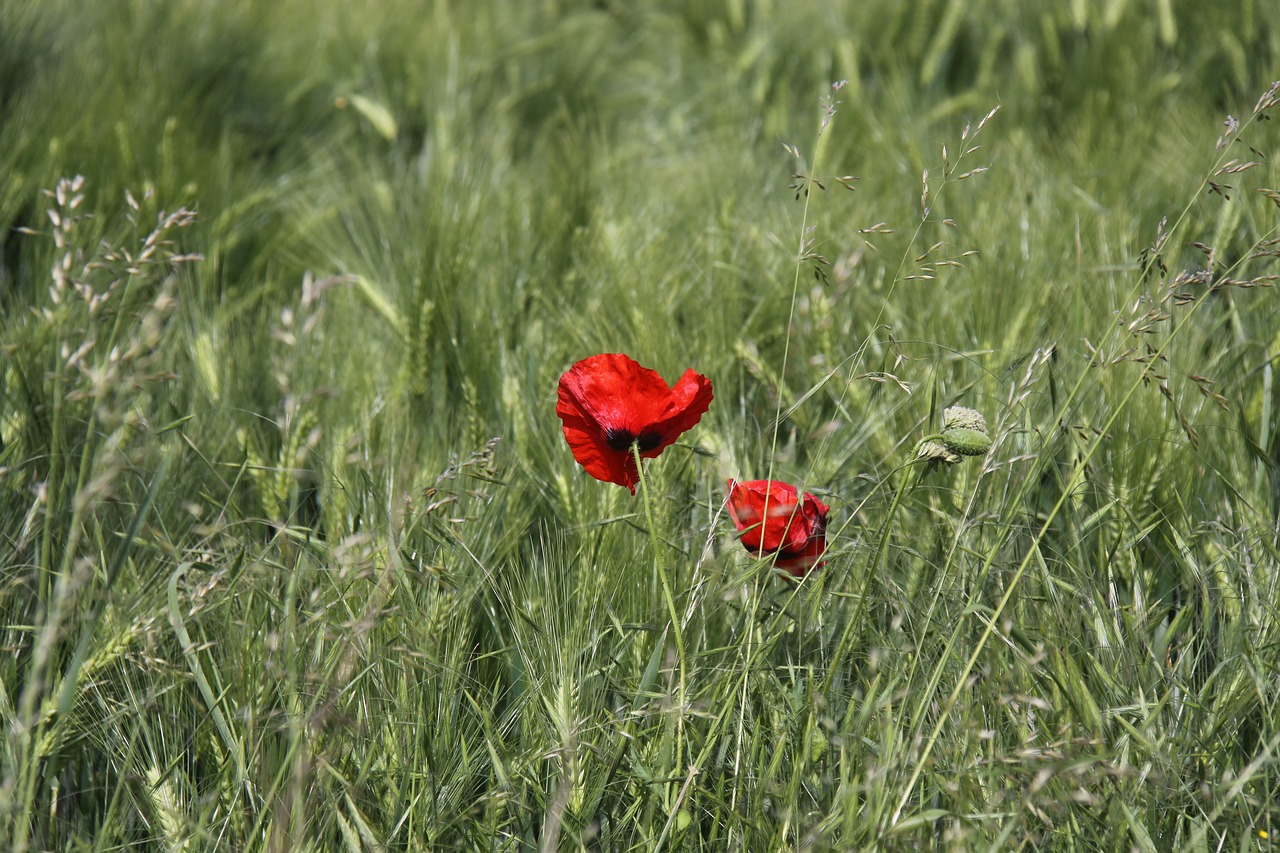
x: 293, y: 552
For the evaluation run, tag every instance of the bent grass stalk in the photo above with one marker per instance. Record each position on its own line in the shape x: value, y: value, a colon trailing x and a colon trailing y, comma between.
x: 990, y: 621
x: 806, y: 186
x: 754, y: 650
x: 928, y: 203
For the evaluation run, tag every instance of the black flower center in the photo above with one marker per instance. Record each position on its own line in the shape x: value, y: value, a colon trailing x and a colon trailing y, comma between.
x: 648, y: 440
x: 618, y: 439
x: 622, y: 439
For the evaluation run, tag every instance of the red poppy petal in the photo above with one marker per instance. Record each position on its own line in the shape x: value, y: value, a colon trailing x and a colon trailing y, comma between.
x: 789, y: 526
x: 808, y: 522
x: 815, y: 508
x: 587, y: 440
x: 776, y: 520
x: 615, y: 391
x: 593, y: 453
x: 609, y: 393
x: 799, y: 565
x: 798, y: 558
x: 689, y: 401
x: 748, y: 505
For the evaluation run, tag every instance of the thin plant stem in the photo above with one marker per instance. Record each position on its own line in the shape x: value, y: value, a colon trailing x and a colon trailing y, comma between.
x: 828, y: 116
x: 665, y: 581
x: 873, y: 569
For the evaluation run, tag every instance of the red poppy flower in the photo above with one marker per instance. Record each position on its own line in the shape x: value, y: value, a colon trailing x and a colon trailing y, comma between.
x: 777, y: 522
x: 609, y: 403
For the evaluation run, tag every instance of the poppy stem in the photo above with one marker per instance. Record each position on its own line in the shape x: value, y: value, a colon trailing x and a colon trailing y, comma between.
x: 873, y: 568
x: 669, y: 597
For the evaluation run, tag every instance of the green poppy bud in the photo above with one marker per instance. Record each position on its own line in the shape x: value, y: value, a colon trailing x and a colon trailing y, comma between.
x: 817, y: 744
x: 966, y: 442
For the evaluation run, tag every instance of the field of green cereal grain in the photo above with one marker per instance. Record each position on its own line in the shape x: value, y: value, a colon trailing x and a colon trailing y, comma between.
x: 294, y: 555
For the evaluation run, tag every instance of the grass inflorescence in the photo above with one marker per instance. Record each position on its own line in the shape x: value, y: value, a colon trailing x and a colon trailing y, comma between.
x: 293, y: 555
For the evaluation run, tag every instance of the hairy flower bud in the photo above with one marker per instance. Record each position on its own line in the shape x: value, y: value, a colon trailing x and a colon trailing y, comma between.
x: 966, y: 442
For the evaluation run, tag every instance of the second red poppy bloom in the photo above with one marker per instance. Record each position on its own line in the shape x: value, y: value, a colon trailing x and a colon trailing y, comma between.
x: 777, y: 522
x: 609, y: 403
